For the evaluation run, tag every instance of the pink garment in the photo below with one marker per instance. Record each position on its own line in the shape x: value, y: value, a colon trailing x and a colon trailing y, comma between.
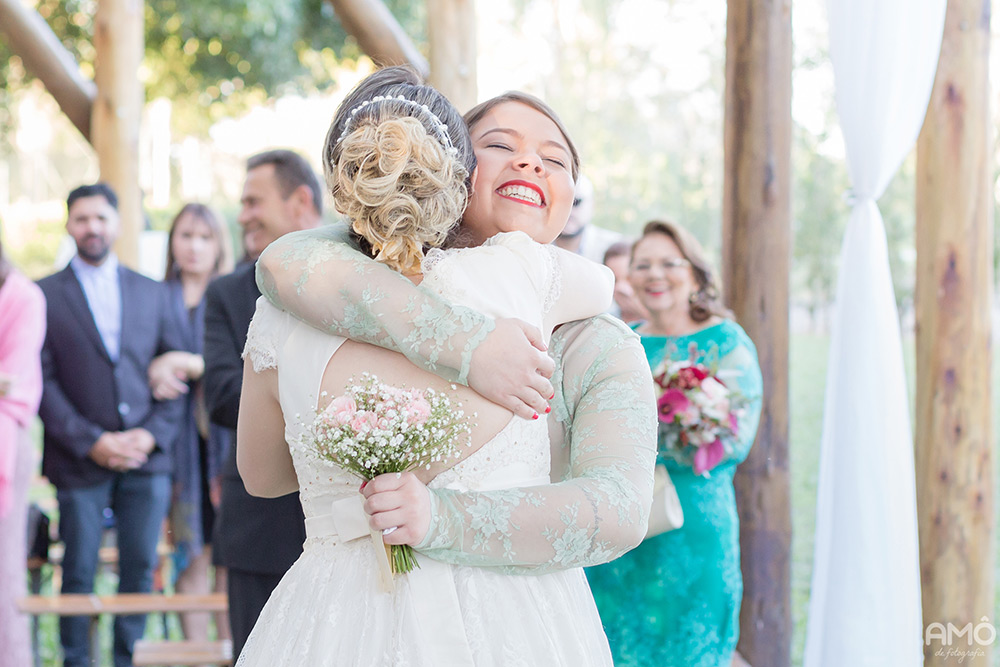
x: 22, y: 331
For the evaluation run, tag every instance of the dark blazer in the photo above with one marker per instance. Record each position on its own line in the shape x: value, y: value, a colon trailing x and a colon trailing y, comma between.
x: 259, y: 535
x: 85, y: 393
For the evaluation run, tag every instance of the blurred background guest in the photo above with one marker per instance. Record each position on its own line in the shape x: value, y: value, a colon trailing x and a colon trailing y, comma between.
x: 22, y: 331
x: 579, y: 235
x: 626, y: 305
x: 107, y: 440
x: 281, y: 194
x: 675, y: 599
x: 198, y: 250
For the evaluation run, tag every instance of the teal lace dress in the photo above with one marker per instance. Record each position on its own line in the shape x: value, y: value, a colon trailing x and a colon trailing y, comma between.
x: 675, y: 599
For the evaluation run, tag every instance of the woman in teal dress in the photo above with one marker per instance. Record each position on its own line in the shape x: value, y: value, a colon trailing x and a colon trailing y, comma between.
x: 675, y: 599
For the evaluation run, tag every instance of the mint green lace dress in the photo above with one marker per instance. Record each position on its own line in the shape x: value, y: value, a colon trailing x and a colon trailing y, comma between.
x: 675, y: 599
x: 602, y: 427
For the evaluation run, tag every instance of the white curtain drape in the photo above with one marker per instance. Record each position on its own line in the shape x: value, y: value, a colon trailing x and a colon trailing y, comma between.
x: 865, y: 603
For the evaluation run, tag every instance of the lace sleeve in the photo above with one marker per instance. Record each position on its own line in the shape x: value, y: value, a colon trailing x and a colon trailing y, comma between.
x: 264, y: 336
x: 606, y: 408
x: 320, y: 279
x: 740, y: 366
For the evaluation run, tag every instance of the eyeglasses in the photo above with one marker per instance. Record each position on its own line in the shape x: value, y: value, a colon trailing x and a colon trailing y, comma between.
x: 672, y: 263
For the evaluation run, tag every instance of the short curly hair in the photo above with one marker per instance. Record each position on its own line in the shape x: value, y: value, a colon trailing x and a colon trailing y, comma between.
x: 402, y: 184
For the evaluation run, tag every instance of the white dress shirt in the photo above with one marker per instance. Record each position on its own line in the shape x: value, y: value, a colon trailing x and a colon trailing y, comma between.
x: 102, y: 288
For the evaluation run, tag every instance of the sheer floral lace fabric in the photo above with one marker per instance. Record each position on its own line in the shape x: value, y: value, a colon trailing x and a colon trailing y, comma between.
x: 685, y: 586
x: 547, y: 619
x: 603, y: 424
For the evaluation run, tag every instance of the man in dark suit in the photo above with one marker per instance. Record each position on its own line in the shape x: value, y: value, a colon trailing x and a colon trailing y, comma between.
x: 107, y: 441
x: 257, y: 539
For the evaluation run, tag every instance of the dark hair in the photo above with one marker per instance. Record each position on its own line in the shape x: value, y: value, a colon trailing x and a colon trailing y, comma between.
x: 291, y: 171
x: 215, y: 225
x: 476, y: 113
x: 617, y: 249
x: 706, y: 302
x: 95, y: 190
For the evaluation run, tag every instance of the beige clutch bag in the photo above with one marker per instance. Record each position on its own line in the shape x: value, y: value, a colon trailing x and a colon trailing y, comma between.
x: 666, y: 513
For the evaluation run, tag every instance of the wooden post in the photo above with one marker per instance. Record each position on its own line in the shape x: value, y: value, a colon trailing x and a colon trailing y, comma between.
x: 756, y: 214
x: 44, y: 56
x: 452, y: 31
x: 118, y: 42
x: 954, y: 436
x: 379, y: 34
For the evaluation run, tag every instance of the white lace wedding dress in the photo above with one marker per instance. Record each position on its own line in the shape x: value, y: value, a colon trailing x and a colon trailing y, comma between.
x: 329, y: 608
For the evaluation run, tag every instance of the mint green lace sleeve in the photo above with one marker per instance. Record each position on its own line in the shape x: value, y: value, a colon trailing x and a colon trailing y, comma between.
x: 605, y: 409
x: 296, y: 273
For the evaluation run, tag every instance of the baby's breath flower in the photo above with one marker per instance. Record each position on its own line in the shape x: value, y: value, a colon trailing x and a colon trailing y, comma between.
x: 403, y: 429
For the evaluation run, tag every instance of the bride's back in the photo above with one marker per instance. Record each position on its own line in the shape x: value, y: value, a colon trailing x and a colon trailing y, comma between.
x: 352, y: 359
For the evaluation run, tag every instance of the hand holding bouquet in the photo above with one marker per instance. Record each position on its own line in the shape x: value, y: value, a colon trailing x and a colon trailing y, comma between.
x: 376, y: 428
x: 698, y: 413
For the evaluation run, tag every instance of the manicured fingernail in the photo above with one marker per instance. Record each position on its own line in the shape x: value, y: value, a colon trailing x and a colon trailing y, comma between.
x: 363, y: 485
x: 553, y: 394
x: 548, y: 409
x: 534, y: 416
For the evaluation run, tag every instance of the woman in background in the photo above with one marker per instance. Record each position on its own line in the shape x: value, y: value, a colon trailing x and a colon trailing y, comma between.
x: 22, y: 330
x: 675, y: 599
x: 198, y: 250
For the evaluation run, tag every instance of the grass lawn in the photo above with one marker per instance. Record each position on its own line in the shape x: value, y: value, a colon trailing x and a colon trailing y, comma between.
x: 807, y: 368
x: 807, y: 386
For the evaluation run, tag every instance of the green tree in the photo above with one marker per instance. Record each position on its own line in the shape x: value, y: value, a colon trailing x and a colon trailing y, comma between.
x: 819, y: 219
x: 213, y: 58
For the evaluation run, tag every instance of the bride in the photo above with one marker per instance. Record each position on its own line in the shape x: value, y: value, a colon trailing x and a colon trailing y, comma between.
x: 397, y: 160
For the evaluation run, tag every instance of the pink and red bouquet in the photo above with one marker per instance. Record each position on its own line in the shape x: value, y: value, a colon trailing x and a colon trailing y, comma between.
x: 698, y: 413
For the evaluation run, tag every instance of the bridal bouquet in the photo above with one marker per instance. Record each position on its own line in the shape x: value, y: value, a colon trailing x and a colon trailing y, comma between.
x: 377, y: 428
x: 698, y: 413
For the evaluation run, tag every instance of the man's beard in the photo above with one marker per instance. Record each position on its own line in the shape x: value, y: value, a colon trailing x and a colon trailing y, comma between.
x: 96, y: 256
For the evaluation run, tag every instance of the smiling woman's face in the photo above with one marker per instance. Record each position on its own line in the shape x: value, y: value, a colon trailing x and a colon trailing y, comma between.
x: 524, y: 181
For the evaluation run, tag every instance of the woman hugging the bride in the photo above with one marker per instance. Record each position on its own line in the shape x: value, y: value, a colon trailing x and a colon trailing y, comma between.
x: 401, y: 166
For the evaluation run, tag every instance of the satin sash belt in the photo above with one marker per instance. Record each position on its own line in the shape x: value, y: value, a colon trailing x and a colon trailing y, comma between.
x: 433, y: 596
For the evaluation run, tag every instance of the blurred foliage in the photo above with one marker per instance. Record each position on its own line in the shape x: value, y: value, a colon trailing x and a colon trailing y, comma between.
x: 36, y: 256
x: 214, y: 58
x: 819, y: 219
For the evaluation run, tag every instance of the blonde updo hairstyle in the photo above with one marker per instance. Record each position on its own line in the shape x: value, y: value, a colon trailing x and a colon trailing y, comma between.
x: 398, y: 169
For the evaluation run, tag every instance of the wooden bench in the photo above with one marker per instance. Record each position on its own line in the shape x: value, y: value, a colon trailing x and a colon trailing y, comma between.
x: 165, y: 653
x: 86, y: 604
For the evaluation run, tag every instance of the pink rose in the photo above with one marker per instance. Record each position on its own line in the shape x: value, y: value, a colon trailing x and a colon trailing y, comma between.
x: 418, y: 411
x: 362, y: 422
x: 708, y: 456
x: 342, y: 409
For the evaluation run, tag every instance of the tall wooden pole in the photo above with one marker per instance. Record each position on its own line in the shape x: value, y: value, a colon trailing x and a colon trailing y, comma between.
x: 379, y: 34
x: 452, y: 32
x: 954, y: 435
x: 756, y: 215
x: 119, y: 43
x: 44, y: 56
